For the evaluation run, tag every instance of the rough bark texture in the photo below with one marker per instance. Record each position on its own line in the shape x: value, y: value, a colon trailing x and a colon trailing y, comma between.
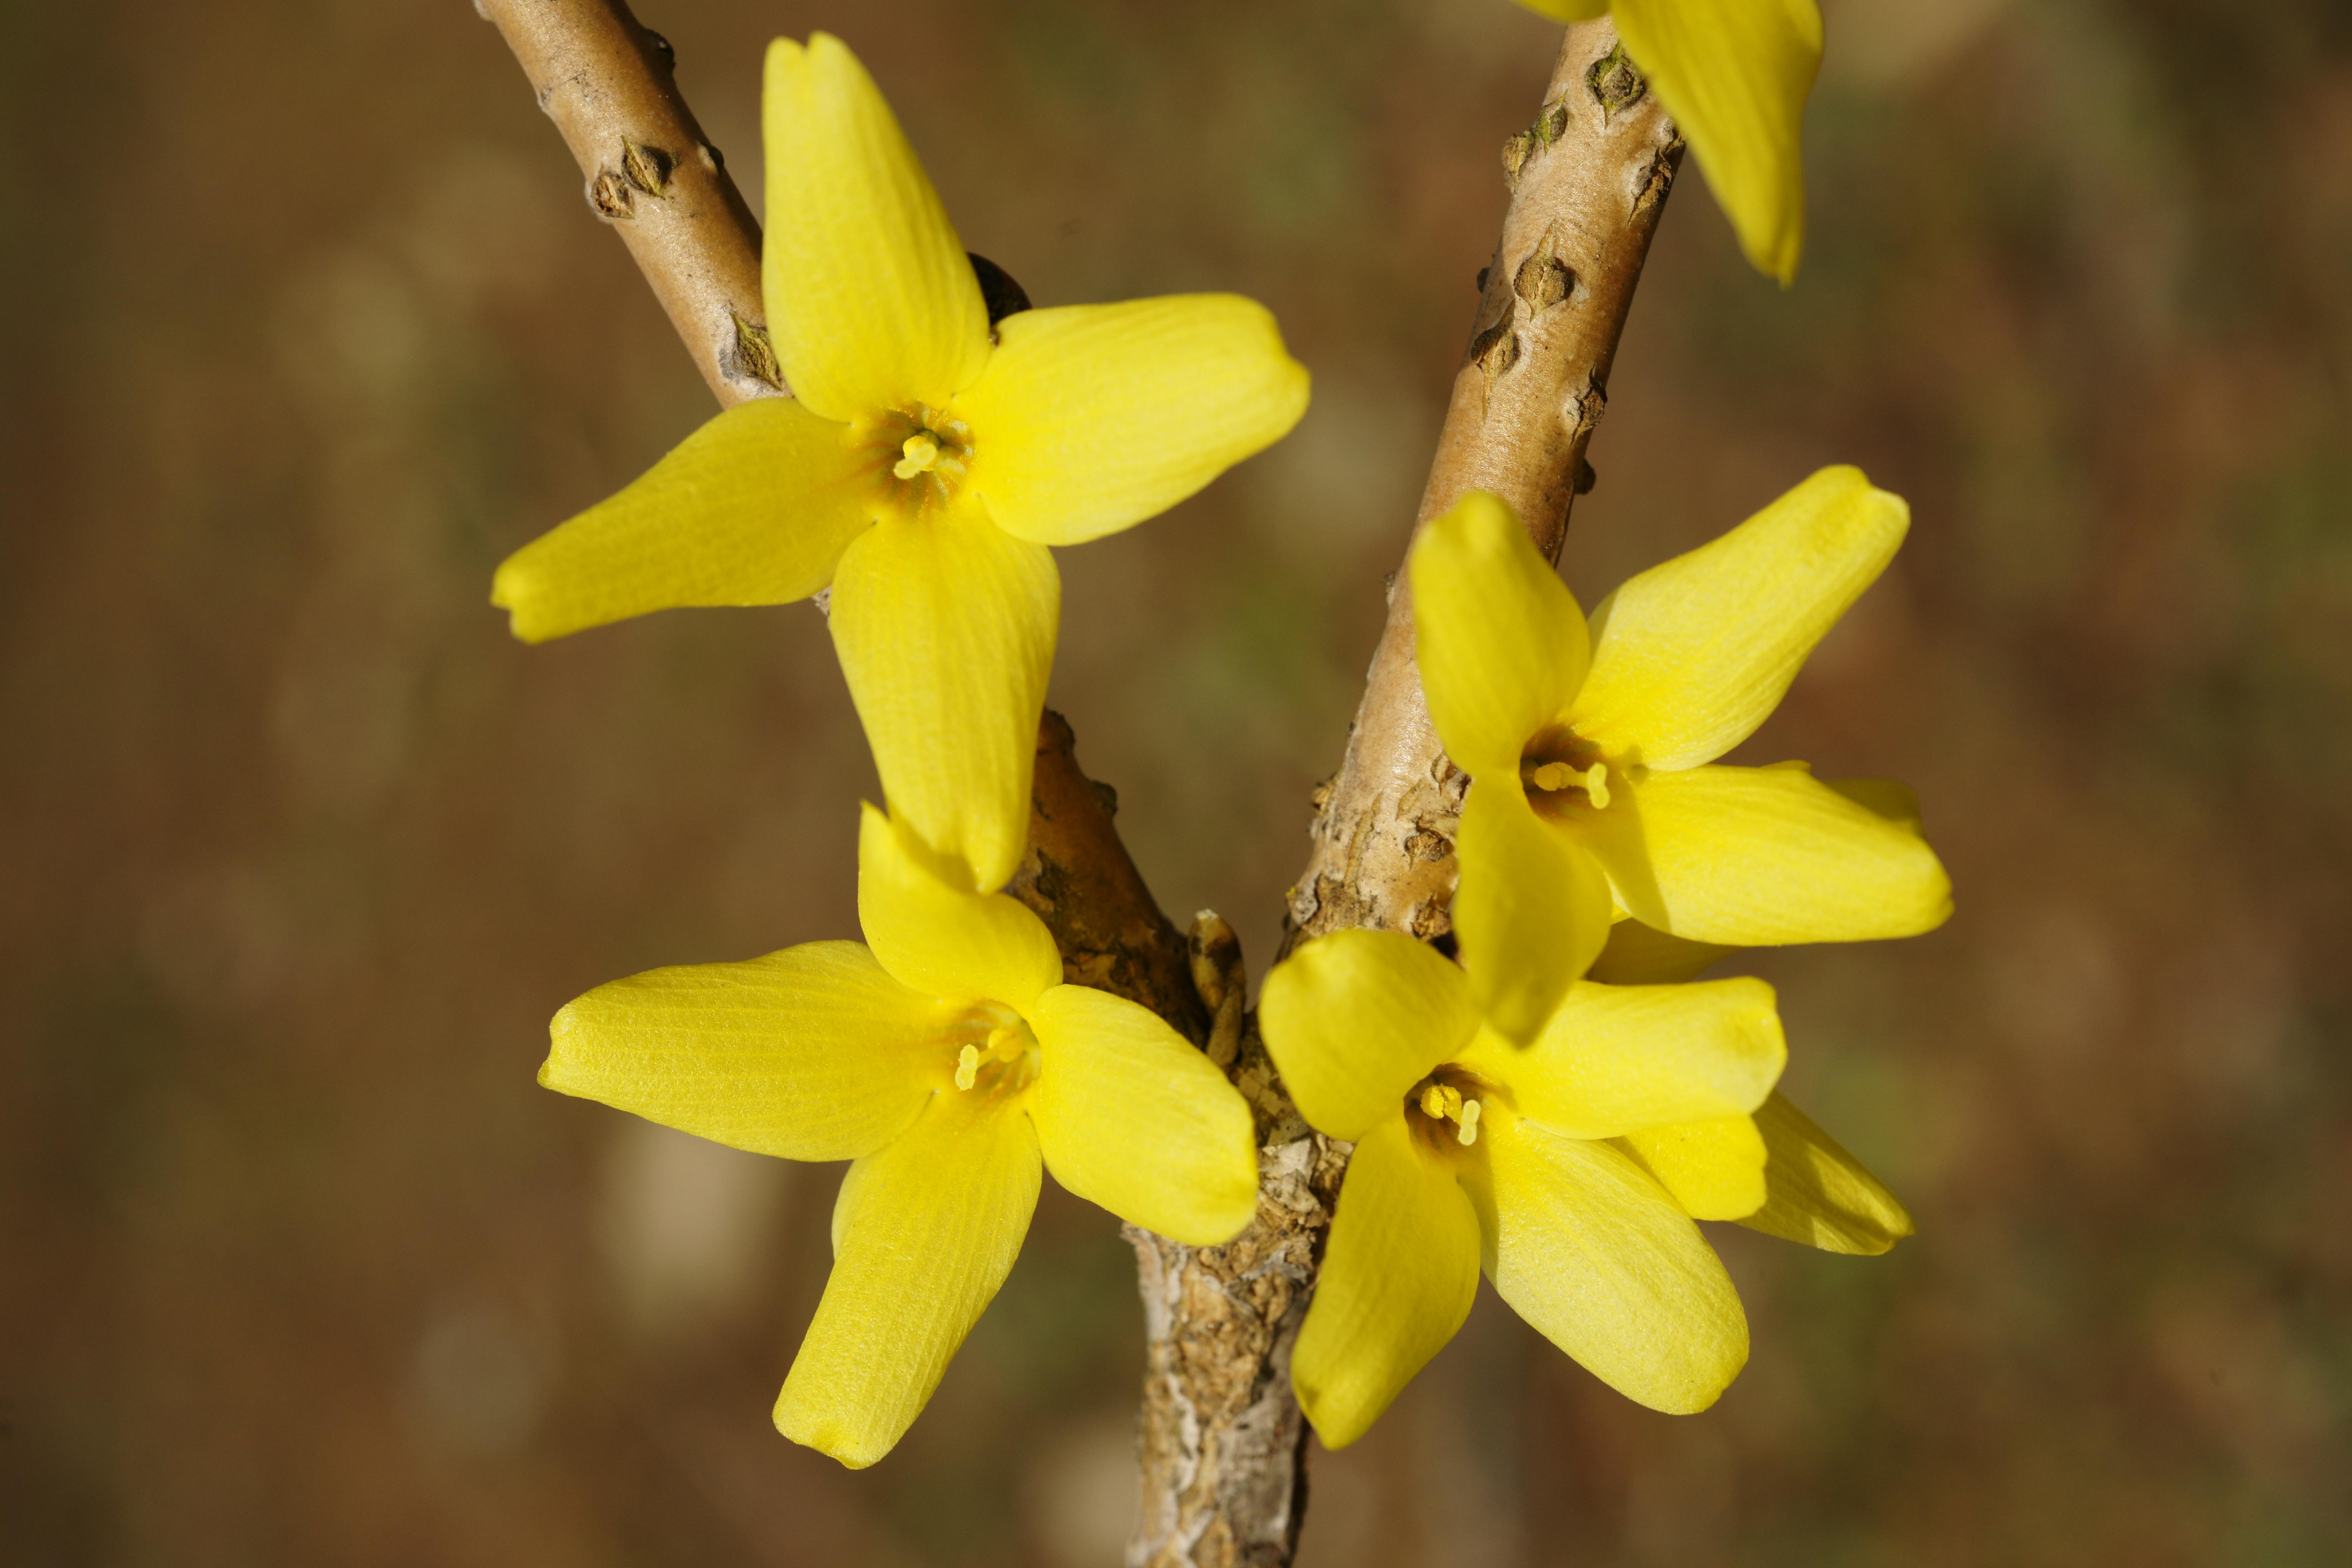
x: 1222, y: 1441
x: 1589, y: 180
x: 1080, y: 880
x: 605, y: 81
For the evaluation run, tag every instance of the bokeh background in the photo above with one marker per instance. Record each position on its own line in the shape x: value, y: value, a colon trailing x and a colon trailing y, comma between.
x: 305, y: 325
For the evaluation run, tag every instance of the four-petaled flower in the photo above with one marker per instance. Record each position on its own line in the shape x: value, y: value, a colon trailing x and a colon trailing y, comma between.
x: 1528, y: 1158
x: 922, y: 466
x: 1735, y: 75
x: 1587, y: 746
x: 946, y: 1058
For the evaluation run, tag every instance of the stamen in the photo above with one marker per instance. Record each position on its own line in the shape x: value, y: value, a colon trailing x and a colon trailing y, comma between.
x: 1552, y: 776
x: 1433, y: 1102
x: 921, y: 451
x: 968, y: 1067
x: 1007, y: 1041
x: 1469, y: 1134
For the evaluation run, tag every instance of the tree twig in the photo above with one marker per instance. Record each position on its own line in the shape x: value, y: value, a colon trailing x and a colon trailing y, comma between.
x: 1222, y: 1441
x: 605, y: 80
x: 1589, y: 179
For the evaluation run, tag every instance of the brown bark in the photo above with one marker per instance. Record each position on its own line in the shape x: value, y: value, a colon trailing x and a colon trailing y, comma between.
x: 604, y: 79
x: 1221, y: 1438
x: 1589, y: 178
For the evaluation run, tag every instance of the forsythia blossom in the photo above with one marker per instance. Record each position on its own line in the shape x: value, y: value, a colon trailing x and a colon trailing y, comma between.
x: 923, y: 465
x: 1571, y: 1170
x: 951, y: 1062
x: 1735, y: 75
x: 1589, y: 746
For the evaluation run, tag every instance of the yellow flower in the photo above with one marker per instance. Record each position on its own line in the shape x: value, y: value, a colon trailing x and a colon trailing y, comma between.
x: 1735, y: 75
x: 923, y: 466
x: 1531, y: 1161
x: 1587, y: 746
x: 949, y: 1060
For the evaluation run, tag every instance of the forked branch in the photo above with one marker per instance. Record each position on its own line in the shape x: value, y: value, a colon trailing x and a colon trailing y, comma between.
x: 1222, y: 1441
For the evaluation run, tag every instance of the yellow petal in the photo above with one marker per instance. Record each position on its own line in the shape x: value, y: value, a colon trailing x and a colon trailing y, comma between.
x: 1714, y: 1169
x: 942, y: 939
x: 871, y: 300
x: 1690, y: 657
x: 1753, y: 857
x: 1616, y: 1058
x: 1568, y: 10
x: 1597, y: 1256
x: 925, y: 1231
x: 1499, y: 640
x: 813, y: 1053
x: 1818, y: 1194
x: 1531, y: 908
x: 945, y: 629
x: 1092, y: 417
x: 1131, y: 1116
x: 1735, y: 75
x: 752, y: 508
x: 1639, y: 955
x: 1356, y: 1018
x: 1399, y: 1275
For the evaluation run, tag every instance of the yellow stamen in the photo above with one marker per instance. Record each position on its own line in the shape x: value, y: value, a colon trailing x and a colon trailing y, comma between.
x: 920, y: 452
x: 1469, y: 1134
x: 968, y: 1067
x: 1007, y: 1041
x: 1555, y: 776
x: 1433, y: 1102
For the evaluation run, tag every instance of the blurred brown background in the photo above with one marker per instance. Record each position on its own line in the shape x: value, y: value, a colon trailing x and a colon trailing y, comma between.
x: 307, y: 324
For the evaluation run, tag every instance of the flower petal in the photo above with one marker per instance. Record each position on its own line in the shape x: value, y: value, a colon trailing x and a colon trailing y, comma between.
x: 1714, y: 1169
x: 1602, y: 1263
x: 1617, y: 1058
x: 1399, y: 1272
x: 1755, y: 856
x: 924, y: 1232
x: 1691, y: 656
x: 1501, y: 645
x: 942, y: 939
x: 755, y: 508
x: 1735, y: 75
x: 1531, y: 908
x: 1639, y: 955
x: 1131, y: 1116
x: 1568, y: 10
x: 1818, y: 1194
x: 872, y: 303
x: 945, y: 631
x: 1091, y: 418
x: 813, y: 1053
x: 1356, y: 1018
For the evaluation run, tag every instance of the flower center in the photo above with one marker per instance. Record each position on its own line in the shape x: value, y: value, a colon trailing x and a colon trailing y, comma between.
x: 1562, y: 773
x: 1446, y: 1106
x: 994, y: 1046
x: 919, y: 456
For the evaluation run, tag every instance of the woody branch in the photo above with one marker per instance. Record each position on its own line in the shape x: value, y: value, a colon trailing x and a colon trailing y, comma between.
x: 1222, y: 1441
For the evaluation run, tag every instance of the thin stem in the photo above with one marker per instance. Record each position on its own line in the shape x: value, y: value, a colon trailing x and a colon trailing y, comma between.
x: 1589, y: 179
